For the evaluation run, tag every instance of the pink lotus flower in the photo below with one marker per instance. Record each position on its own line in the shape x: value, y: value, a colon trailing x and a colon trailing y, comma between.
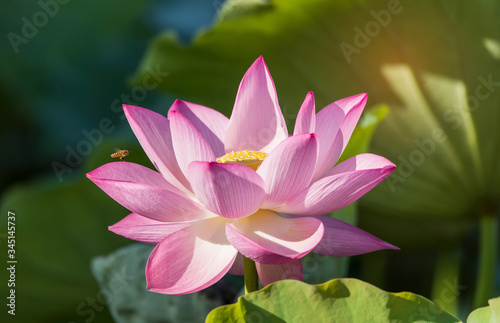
x: 241, y: 186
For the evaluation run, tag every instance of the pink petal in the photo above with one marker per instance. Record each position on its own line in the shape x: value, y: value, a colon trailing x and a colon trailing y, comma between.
x: 146, y: 192
x: 140, y: 228
x: 256, y: 122
x: 364, y: 161
x: 353, y: 107
x: 237, y: 268
x: 153, y: 132
x: 131, y: 172
x: 268, y: 238
x: 328, y: 121
x: 288, y: 168
x: 340, y: 187
x: 342, y: 239
x: 211, y: 123
x: 306, y: 118
x: 189, y: 144
x: 271, y: 273
x: 191, y: 259
x: 229, y: 190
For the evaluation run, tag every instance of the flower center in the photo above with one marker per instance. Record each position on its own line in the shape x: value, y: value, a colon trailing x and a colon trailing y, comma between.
x: 250, y: 158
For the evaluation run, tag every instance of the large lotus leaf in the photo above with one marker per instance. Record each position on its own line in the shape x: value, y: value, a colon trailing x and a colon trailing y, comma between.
x: 487, y: 314
x: 434, y: 62
x: 122, y: 275
x: 339, y: 300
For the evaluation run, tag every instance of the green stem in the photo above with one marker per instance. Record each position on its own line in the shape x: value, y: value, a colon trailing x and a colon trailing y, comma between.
x: 487, y: 259
x: 251, y: 281
x: 445, y: 287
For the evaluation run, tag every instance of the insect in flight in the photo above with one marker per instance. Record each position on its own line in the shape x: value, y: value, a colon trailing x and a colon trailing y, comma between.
x: 119, y: 153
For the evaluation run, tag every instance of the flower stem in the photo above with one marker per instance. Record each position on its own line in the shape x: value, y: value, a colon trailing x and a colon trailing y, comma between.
x: 488, y: 249
x: 251, y: 281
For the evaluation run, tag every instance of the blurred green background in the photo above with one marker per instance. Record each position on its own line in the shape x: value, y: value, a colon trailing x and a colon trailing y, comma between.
x: 67, y: 66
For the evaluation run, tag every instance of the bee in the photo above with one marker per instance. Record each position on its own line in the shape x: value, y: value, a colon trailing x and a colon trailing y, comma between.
x: 119, y: 153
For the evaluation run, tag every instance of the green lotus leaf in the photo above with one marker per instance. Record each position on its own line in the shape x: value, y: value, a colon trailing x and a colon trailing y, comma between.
x: 487, y: 314
x: 433, y: 62
x: 338, y: 300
